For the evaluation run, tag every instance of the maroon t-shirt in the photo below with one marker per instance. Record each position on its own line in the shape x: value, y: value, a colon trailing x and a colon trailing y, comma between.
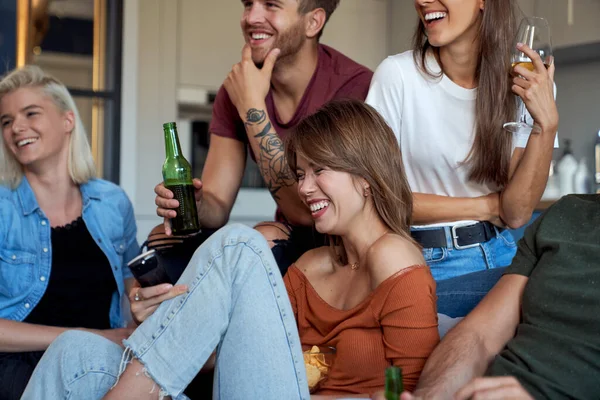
x: 336, y: 77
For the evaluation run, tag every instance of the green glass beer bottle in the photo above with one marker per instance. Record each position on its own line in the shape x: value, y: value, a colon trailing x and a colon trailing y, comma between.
x: 177, y: 175
x: 393, y: 383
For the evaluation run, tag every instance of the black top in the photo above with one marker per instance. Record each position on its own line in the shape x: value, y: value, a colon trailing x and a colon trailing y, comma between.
x: 81, y: 285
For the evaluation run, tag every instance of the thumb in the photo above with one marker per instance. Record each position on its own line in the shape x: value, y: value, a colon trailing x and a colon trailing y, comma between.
x: 167, y: 225
x: 247, y: 52
x: 269, y: 63
x: 197, y: 183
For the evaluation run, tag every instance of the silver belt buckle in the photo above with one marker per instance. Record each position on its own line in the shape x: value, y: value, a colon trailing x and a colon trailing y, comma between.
x: 455, y: 236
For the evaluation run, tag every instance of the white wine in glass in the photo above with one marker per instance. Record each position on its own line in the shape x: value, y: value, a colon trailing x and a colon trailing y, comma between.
x: 535, y: 33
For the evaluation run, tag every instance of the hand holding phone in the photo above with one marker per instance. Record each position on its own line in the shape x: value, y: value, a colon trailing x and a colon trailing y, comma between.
x: 145, y: 300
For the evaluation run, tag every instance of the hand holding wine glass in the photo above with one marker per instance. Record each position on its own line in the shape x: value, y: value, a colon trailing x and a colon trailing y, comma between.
x: 533, y: 82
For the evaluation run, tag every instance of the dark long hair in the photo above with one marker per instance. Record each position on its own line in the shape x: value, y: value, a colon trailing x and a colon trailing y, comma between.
x: 489, y: 158
x: 350, y: 136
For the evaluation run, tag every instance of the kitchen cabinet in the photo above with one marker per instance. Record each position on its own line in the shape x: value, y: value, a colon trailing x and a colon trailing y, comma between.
x: 526, y: 7
x: 571, y: 26
x: 572, y: 23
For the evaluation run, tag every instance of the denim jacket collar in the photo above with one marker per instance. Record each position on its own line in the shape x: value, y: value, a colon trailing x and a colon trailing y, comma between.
x: 27, y: 198
x: 30, y: 205
x: 88, y: 192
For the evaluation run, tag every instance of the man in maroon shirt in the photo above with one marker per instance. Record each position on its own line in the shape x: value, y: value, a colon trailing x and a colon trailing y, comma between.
x: 284, y: 76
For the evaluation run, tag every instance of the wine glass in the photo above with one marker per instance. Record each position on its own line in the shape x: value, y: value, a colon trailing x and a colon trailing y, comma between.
x: 535, y: 33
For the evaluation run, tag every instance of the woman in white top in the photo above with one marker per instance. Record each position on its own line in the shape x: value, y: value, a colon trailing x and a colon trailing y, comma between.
x: 446, y: 101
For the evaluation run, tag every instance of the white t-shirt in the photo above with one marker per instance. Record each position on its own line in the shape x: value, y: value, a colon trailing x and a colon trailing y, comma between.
x: 434, y: 121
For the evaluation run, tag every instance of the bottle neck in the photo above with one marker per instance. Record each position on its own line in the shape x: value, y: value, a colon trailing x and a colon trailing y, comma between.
x: 172, y: 147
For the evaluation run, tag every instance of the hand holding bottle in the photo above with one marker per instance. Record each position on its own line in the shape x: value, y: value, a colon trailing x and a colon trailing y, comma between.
x: 167, y: 205
x: 403, y: 396
x: 177, y: 178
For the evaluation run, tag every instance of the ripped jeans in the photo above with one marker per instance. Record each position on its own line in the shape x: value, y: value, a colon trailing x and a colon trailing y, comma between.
x: 236, y: 302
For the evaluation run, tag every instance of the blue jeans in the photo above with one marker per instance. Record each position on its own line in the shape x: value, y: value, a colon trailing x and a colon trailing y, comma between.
x: 458, y: 296
x: 449, y: 262
x: 463, y: 277
x: 236, y: 302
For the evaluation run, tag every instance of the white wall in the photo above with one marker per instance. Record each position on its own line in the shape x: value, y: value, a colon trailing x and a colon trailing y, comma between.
x: 359, y: 29
x: 402, y: 22
x: 129, y: 88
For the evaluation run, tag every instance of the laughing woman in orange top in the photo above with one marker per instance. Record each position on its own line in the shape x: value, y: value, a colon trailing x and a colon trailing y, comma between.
x: 370, y: 295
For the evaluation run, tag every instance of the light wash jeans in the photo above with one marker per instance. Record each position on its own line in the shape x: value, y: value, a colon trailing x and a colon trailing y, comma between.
x: 237, y: 302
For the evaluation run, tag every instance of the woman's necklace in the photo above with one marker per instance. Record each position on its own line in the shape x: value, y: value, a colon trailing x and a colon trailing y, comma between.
x: 354, y: 266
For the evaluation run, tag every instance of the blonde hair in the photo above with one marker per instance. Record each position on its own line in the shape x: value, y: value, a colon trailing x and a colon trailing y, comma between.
x: 350, y: 136
x: 80, y: 162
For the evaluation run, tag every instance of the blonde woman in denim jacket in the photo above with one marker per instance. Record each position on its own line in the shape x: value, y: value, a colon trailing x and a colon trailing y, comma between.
x: 65, y: 236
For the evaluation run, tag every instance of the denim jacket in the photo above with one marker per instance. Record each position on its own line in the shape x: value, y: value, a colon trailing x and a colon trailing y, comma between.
x: 26, y: 251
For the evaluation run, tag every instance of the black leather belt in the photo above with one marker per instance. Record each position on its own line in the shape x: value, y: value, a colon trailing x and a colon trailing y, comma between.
x: 464, y: 236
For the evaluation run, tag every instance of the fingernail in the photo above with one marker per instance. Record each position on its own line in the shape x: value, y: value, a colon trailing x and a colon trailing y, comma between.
x: 519, y: 45
x: 168, y: 286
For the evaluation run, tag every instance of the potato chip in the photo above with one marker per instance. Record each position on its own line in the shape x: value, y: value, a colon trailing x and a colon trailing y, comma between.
x: 313, y: 375
x: 323, y: 369
x: 318, y: 358
x: 316, y: 366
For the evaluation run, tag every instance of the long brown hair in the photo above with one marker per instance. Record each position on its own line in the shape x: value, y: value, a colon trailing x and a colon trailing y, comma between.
x: 350, y: 136
x: 489, y: 158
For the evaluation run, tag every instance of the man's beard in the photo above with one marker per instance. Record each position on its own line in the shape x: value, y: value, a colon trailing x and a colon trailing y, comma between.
x: 289, y: 43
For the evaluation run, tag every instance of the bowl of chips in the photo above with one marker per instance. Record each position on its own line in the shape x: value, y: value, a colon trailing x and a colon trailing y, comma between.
x: 317, y: 361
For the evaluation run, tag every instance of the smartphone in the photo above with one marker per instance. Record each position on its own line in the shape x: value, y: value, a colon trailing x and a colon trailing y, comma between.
x: 147, y: 270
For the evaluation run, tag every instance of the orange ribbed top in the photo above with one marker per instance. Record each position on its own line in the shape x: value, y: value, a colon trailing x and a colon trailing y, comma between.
x: 395, y: 325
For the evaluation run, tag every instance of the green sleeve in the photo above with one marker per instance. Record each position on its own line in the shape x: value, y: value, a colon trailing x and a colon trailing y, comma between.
x: 528, y: 252
x: 526, y: 258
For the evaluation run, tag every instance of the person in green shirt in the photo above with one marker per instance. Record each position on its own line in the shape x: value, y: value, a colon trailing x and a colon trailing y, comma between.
x: 536, y: 335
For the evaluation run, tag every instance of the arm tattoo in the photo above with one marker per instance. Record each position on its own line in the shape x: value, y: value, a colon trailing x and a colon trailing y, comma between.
x: 271, y: 159
x: 255, y: 116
